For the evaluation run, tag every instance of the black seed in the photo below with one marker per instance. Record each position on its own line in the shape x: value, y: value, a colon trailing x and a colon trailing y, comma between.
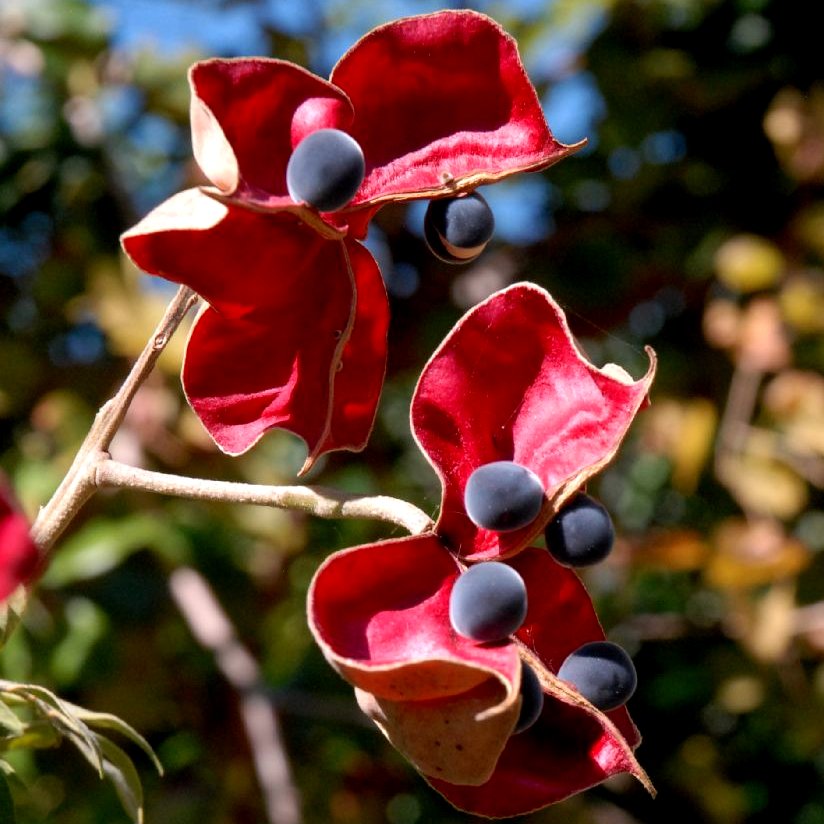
x: 503, y: 496
x: 602, y: 672
x: 325, y: 170
x: 457, y: 229
x: 488, y: 602
x: 532, y: 699
x: 580, y: 534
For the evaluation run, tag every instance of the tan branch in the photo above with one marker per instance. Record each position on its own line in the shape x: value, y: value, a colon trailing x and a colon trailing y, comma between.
x: 78, y: 485
x: 213, y: 631
x: 322, y: 502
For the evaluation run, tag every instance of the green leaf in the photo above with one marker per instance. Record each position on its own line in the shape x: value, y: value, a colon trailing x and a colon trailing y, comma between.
x: 9, y: 721
x: 61, y: 717
x: 120, y: 770
x: 105, y: 543
x: 107, y: 721
x: 10, y: 611
x: 38, y: 735
x: 6, y: 804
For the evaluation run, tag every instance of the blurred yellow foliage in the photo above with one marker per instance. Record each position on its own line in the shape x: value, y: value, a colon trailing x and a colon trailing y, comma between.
x: 683, y: 431
x: 796, y: 399
x: 753, y: 553
x: 764, y: 485
x: 128, y: 312
x: 747, y: 263
x: 678, y: 550
x: 741, y: 693
x: 809, y: 227
x: 802, y: 302
x: 755, y: 335
x: 766, y: 625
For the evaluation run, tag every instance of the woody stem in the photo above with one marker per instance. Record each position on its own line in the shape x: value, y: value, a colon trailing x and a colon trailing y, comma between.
x: 322, y: 502
x: 78, y: 484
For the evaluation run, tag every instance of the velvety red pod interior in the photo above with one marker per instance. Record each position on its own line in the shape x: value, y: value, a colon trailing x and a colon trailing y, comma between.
x: 266, y: 352
x: 359, y: 371
x: 380, y: 613
x: 248, y: 113
x: 509, y: 383
x: 442, y: 104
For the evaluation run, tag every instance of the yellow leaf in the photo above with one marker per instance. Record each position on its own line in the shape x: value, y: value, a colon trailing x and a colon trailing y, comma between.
x: 748, y: 263
x: 683, y: 431
x: 796, y: 399
x: 750, y: 554
x: 764, y: 486
x: 802, y: 302
x: 741, y: 694
x: 772, y: 623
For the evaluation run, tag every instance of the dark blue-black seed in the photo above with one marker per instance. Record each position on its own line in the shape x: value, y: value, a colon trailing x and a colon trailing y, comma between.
x: 488, y: 602
x: 532, y: 699
x: 325, y: 170
x: 457, y: 229
x: 602, y: 672
x: 581, y: 533
x: 503, y: 496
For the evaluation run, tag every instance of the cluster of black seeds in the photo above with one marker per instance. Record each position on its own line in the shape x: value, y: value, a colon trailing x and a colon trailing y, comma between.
x: 488, y: 602
x: 327, y: 168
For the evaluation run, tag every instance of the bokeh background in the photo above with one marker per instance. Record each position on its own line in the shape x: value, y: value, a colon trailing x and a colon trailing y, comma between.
x: 693, y: 221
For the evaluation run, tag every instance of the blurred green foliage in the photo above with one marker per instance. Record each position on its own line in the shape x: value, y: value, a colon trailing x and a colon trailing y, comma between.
x: 693, y: 221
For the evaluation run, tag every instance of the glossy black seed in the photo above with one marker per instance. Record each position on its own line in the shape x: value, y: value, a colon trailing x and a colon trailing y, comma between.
x: 503, y: 496
x: 532, y: 699
x: 580, y: 534
x: 457, y: 229
x: 325, y: 170
x: 488, y: 602
x: 602, y: 672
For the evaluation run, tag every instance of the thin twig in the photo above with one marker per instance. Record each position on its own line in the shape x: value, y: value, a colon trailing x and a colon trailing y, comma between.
x: 738, y: 412
x: 323, y: 502
x: 78, y: 484
x: 213, y: 630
